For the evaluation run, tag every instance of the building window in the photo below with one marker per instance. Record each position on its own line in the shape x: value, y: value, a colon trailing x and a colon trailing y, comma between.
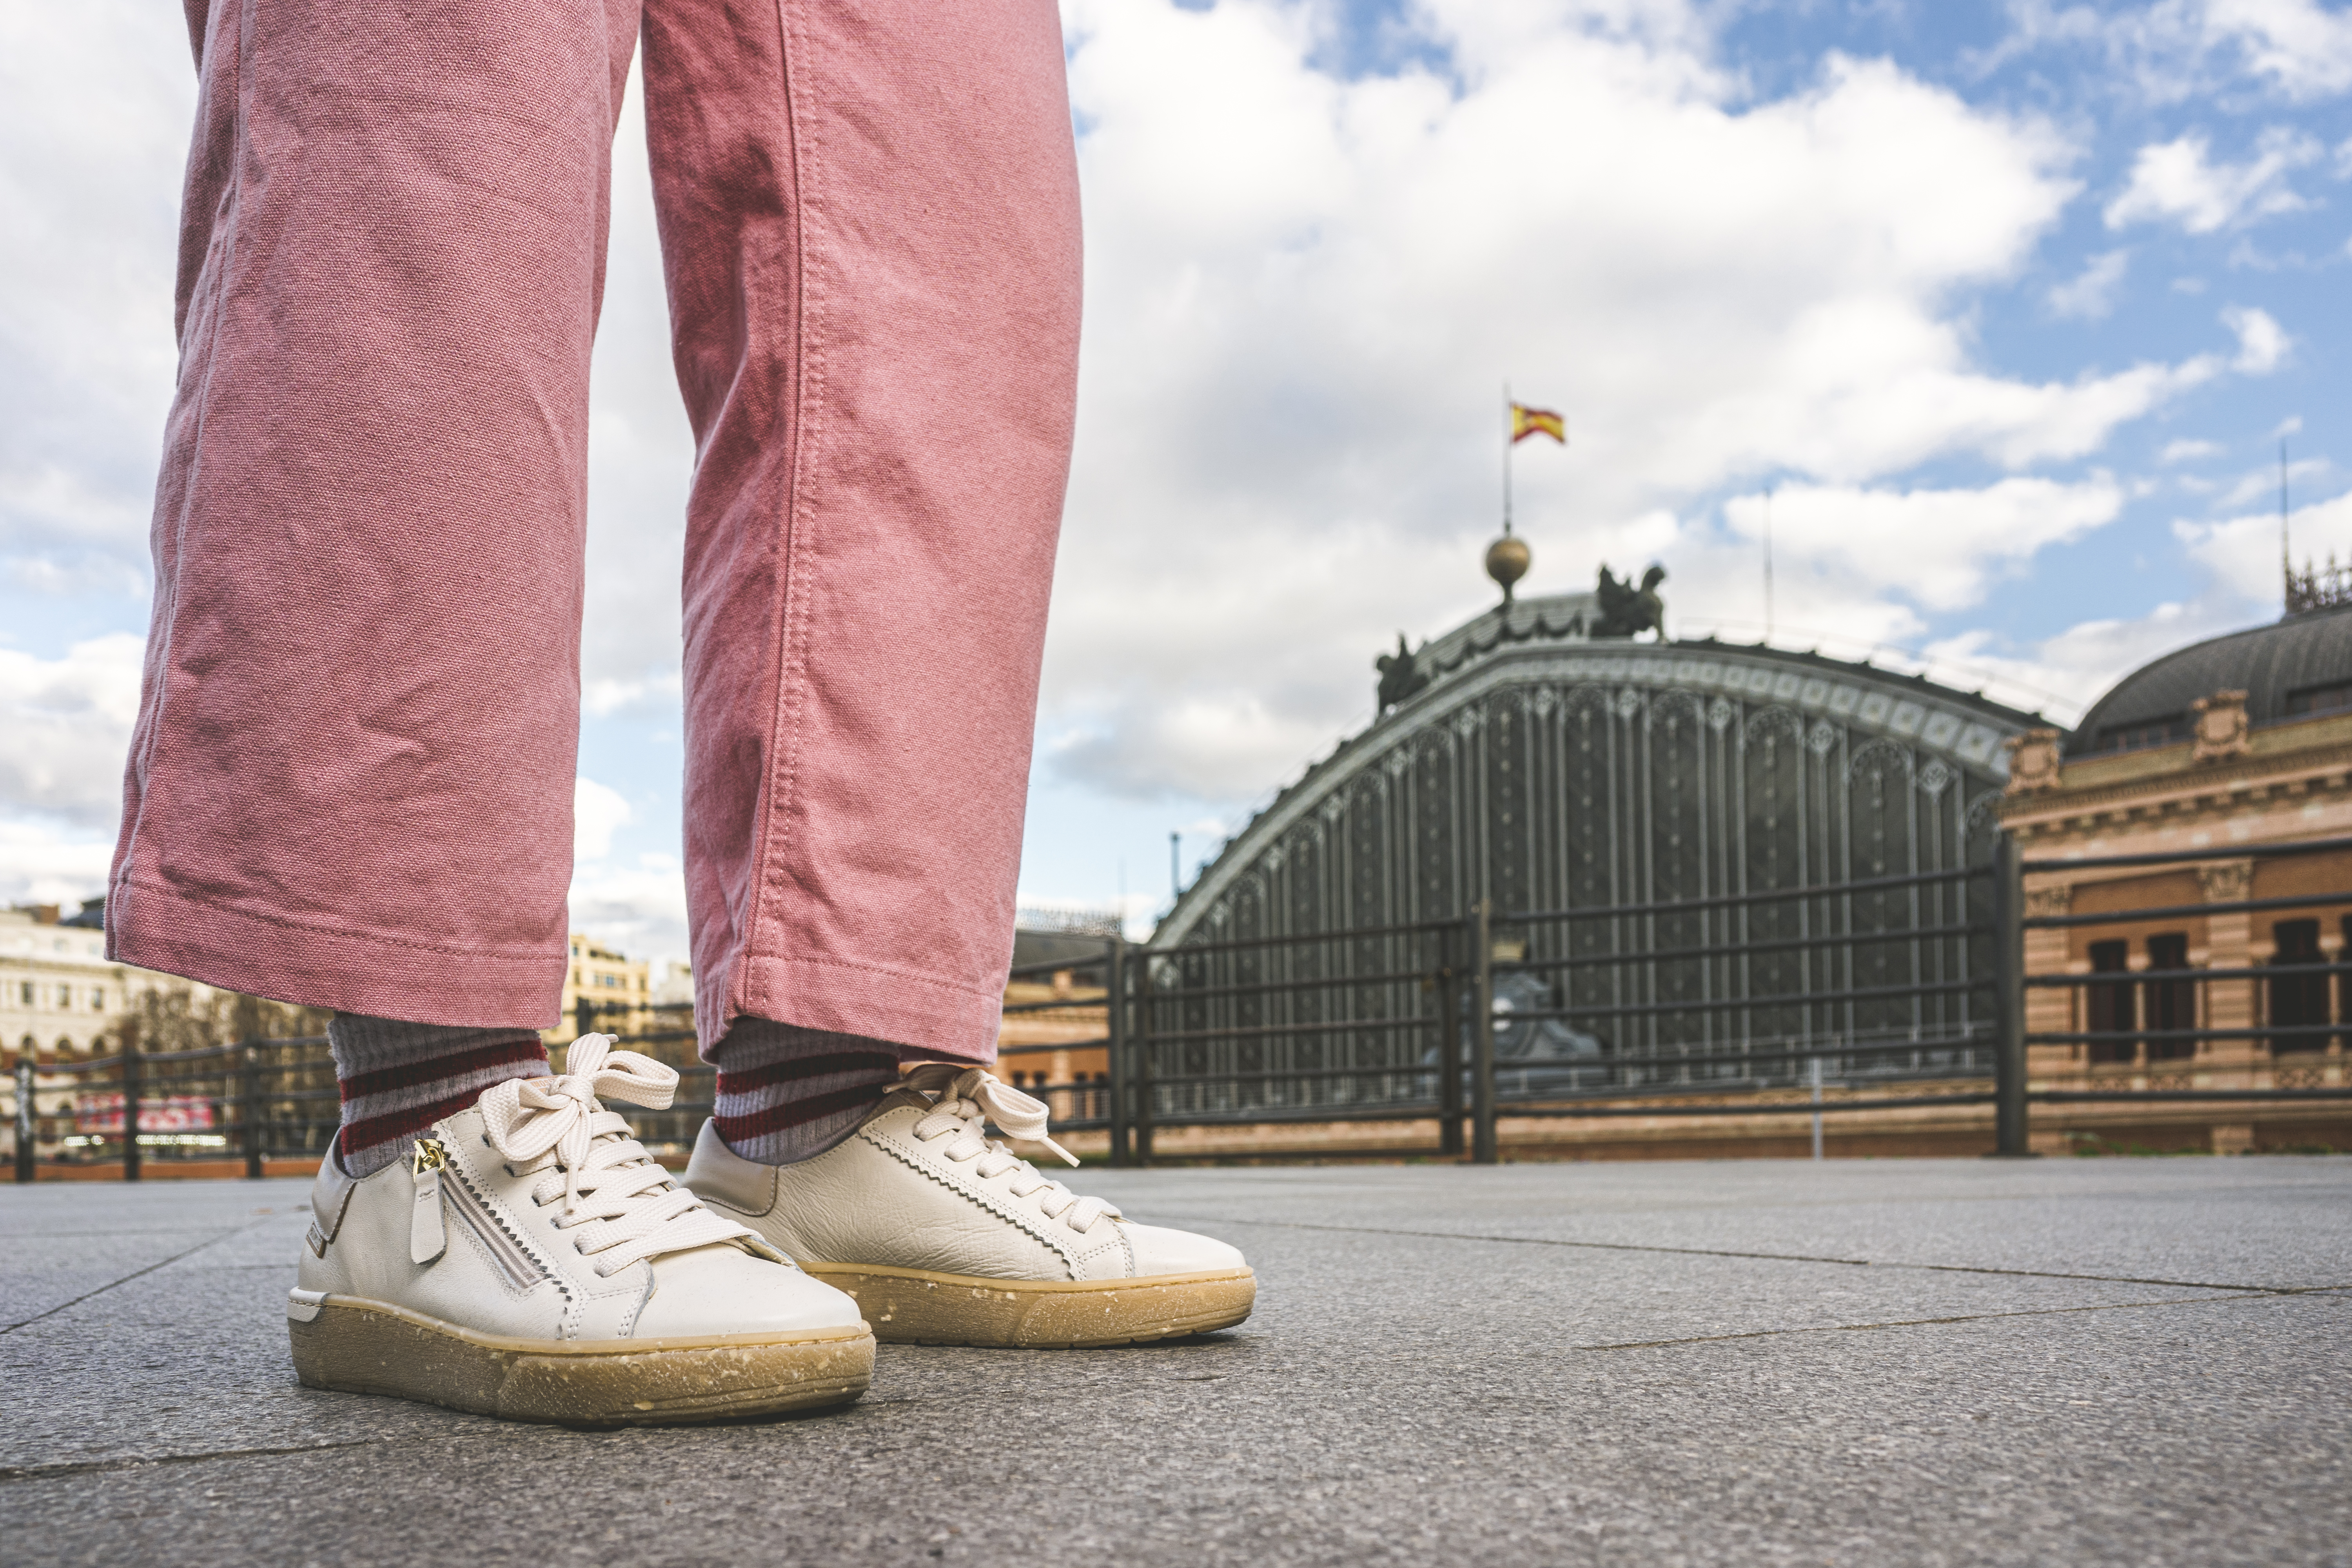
x: 2111, y: 1006
x: 2321, y: 699
x: 97, y: 998
x: 2168, y: 1005
x: 2297, y: 1001
x: 25, y: 993
x: 2165, y: 731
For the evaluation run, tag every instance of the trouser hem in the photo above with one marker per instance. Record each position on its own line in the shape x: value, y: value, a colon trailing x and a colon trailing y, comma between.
x: 926, y: 1019
x: 414, y: 980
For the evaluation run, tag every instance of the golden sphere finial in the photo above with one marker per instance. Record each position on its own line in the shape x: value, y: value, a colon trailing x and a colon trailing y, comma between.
x: 1508, y: 560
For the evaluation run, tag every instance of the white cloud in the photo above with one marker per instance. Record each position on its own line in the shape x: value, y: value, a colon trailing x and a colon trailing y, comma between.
x: 68, y: 722
x: 2176, y: 50
x: 597, y: 813
x: 2302, y: 49
x: 42, y: 862
x: 95, y: 104
x: 2173, y: 181
x: 639, y: 910
x: 2092, y: 293
x: 2187, y: 450
x: 2262, y: 484
x: 2075, y: 667
x: 1940, y: 548
x: 2263, y: 344
x: 2242, y: 552
x: 1303, y: 292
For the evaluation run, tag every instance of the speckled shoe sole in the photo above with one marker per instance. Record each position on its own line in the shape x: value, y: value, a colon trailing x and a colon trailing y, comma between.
x: 917, y: 1306
x: 359, y: 1346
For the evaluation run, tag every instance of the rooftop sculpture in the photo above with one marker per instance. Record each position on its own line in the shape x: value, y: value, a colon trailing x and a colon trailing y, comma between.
x: 1400, y: 676
x: 1626, y: 609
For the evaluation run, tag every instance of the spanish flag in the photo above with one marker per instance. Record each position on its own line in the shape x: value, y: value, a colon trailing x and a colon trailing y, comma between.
x: 1526, y: 422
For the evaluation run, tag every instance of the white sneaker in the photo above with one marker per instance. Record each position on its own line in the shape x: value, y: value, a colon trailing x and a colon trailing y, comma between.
x: 944, y: 1237
x: 532, y: 1261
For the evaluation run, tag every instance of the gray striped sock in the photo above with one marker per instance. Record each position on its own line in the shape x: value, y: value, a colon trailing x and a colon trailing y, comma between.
x: 400, y: 1079
x: 786, y: 1094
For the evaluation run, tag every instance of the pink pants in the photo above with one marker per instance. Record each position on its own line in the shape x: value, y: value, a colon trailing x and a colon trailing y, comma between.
x: 350, y: 783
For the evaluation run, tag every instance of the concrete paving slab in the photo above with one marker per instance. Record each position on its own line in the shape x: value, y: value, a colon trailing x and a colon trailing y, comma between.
x: 2265, y: 1221
x: 1399, y: 1396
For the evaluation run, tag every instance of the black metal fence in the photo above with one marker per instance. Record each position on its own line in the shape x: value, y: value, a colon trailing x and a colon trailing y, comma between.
x: 1898, y: 991
x: 252, y: 1101
x: 1766, y: 997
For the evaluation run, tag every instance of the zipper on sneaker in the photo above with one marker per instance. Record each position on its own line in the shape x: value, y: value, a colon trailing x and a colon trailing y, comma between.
x: 508, y: 1253
x: 429, y: 1233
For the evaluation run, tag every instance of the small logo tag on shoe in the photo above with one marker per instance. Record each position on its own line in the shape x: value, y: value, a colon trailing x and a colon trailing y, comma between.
x: 428, y: 1235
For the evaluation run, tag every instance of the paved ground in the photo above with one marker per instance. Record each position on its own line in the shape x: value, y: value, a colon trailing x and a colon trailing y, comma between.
x: 2131, y: 1362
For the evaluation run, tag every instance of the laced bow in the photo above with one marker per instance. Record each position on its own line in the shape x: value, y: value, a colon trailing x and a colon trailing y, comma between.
x: 626, y: 1206
x: 963, y: 1100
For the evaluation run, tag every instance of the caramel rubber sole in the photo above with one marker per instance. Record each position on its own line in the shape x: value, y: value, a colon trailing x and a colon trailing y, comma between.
x: 916, y: 1306
x: 359, y: 1346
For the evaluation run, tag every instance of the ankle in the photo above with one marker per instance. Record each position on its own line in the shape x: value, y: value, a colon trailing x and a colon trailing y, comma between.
x: 787, y: 1094
x: 398, y: 1078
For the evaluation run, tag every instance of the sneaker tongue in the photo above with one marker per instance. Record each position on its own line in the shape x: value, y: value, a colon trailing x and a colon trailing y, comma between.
x: 897, y: 1097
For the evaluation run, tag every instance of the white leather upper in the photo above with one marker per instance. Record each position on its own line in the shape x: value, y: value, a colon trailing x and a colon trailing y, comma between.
x: 885, y: 1197
x: 508, y: 1268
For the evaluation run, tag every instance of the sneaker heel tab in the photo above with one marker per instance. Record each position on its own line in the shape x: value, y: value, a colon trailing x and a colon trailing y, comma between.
x: 716, y: 1173
x: 330, y: 1195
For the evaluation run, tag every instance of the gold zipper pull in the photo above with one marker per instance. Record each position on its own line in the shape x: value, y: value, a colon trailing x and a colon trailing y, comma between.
x: 428, y: 1236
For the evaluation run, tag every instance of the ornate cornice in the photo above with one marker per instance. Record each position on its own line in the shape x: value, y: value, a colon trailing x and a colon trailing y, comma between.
x: 2053, y: 810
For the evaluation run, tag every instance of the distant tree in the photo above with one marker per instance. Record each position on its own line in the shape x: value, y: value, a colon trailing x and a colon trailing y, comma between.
x: 174, y: 1018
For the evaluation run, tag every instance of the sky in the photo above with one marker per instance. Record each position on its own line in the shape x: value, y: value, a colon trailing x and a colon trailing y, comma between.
x: 1995, y: 315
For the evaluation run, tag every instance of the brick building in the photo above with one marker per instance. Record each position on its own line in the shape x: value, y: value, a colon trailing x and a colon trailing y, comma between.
x: 2240, y: 741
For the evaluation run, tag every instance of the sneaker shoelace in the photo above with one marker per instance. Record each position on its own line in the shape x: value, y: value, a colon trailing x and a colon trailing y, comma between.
x: 625, y: 1207
x: 964, y: 1100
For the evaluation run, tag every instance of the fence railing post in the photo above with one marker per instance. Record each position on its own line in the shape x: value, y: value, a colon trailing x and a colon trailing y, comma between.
x: 1816, y: 1107
x: 1115, y: 1017
x: 1483, y: 1149
x: 2010, y: 1136
x: 1451, y: 981
x: 131, y: 1086
x: 583, y: 1016
x: 27, y: 1125
x: 249, y: 1105
x: 1141, y: 1128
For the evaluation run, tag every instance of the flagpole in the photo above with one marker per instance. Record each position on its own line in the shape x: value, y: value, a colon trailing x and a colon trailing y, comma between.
x: 1508, y: 445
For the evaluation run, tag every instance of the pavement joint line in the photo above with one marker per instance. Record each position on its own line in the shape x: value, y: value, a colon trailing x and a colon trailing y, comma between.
x: 127, y: 1278
x: 88, y: 1467
x: 1765, y: 1256
x: 2257, y: 1295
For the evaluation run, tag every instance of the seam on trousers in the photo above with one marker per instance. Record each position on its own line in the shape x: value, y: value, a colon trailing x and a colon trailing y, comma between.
x: 234, y: 198
x: 461, y: 950
x: 980, y: 993
x: 786, y: 705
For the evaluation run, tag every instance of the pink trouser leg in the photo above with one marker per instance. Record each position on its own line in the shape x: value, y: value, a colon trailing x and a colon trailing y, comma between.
x: 869, y: 216
x: 351, y: 782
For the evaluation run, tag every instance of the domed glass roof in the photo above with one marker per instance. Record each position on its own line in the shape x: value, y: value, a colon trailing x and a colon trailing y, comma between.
x: 2296, y: 667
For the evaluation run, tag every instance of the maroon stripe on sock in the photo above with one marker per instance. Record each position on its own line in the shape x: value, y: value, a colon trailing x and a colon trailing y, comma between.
x: 795, y: 1113
x: 392, y: 1124
x: 433, y: 1069
x: 831, y: 1064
